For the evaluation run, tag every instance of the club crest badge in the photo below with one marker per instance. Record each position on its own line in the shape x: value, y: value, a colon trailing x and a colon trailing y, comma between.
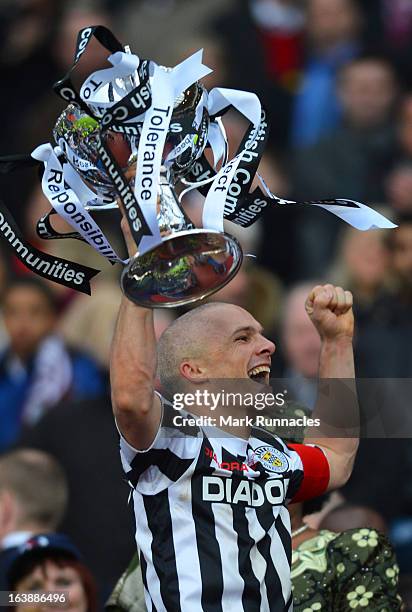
x: 272, y: 459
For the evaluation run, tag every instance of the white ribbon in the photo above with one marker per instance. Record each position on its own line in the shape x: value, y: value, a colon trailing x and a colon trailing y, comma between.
x: 166, y: 85
x: 95, y: 89
x: 151, y: 145
x: 214, y: 206
x: 246, y: 102
x: 58, y: 185
x: 217, y: 142
x: 360, y: 217
x: 249, y: 105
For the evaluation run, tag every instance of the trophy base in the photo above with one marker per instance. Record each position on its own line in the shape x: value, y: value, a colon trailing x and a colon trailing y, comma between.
x: 184, y: 268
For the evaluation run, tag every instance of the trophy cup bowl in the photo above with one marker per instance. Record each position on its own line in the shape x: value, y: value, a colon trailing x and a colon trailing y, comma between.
x: 188, y: 264
x: 184, y: 268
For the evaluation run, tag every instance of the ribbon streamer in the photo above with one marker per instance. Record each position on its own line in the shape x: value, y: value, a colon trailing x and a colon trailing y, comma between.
x: 64, y: 88
x: 356, y: 214
x: 249, y: 105
x: 165, y: 87
x: 67, y: 273
x: 57, y: 184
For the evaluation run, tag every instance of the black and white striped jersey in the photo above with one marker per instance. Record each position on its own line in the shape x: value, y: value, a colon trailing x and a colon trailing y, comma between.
x: 211, y: 522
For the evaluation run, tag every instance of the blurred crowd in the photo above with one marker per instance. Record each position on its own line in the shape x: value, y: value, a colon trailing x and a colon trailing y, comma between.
x: 336, y: 79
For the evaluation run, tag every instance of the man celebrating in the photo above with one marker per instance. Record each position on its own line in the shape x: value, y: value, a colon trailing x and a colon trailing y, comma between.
x: 212, y: 527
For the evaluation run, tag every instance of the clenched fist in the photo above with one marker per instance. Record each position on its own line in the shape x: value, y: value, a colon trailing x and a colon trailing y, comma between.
x: 330, y: 310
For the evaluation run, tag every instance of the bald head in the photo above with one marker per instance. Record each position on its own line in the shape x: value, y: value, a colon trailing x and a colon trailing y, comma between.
x: 353, y: 516
x: 189, y: 337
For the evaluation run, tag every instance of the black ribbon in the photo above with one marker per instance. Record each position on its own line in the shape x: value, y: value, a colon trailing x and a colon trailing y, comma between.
x: 46, y: 231
x: 135, y: 218
x: 244, y: 174
x: 61, y: 271
x: 137, y: 102
x: 65, y: 88
x: 238, y: 191
x: 242, y: 207
x: 251, y: 207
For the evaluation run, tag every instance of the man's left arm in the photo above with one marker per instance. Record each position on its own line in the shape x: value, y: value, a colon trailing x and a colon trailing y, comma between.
x: 330, y: 309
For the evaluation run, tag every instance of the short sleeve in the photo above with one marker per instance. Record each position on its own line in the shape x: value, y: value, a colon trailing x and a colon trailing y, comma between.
x: 172, y: 452
x: 313, y: 478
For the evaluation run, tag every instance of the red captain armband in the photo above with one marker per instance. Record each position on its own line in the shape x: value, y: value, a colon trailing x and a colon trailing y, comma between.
x: 316, y: 472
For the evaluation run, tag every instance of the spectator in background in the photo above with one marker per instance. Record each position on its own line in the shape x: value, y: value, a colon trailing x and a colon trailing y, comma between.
x: 401, y: 244
x: 97, y: 504
x: 271, y: 62
x: 405, y: 126
x: 399, y: 187
x: 351, y: 161
x: 363, y: 263
x: 398, y: 181
x: 37, y: 370
x: 386, y: 321
x: 385, y: 395
x: 93, y: 471
x: 27, y: 66
x: 4, y: 281
x: 333, y: 29
x: 341, y: 571
x: 33, y: 499
x: 50, y: 563
x: 399, y: 178
x: 350, y: 516
x: 388, y: 28
x: 301, y: 347
x: 88, y: 322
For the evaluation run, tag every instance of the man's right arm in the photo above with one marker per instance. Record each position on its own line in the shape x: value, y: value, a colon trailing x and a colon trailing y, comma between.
x: 137, y: 408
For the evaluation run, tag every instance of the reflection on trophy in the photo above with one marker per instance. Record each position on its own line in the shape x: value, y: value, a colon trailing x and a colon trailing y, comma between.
x: 188, y: 264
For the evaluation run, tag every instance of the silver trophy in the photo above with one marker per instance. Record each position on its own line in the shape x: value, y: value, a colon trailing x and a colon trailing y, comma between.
x: 105, y: 157
x: 189, y: 264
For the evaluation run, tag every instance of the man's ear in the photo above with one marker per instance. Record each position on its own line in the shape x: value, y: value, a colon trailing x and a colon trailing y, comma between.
x: 192, y: 371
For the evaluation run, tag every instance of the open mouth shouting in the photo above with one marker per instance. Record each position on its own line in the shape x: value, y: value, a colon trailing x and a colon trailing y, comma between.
x: 260, y: 374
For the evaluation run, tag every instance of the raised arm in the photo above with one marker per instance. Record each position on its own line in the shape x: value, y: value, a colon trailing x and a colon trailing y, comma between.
x: 330, y: 309
x: 136, y: 407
